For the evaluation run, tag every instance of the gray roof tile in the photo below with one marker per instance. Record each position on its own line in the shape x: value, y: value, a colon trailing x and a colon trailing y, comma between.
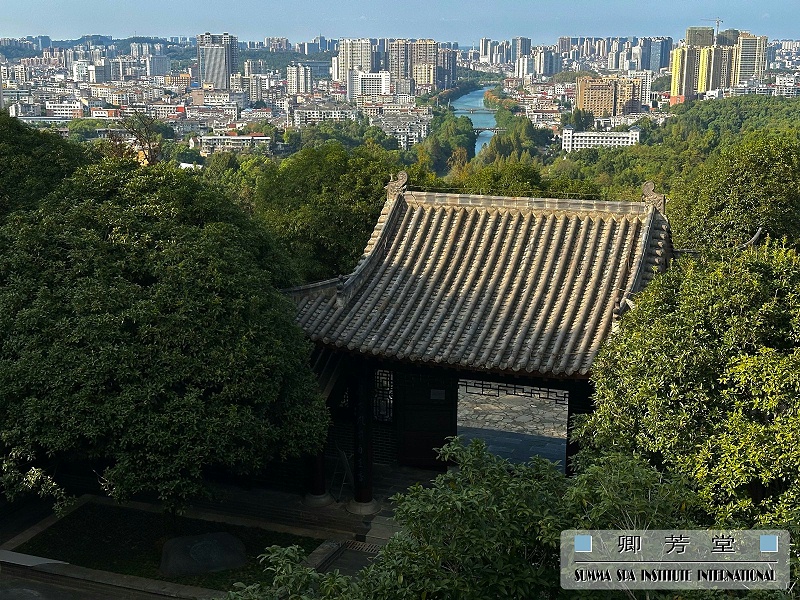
x: 487, y: 283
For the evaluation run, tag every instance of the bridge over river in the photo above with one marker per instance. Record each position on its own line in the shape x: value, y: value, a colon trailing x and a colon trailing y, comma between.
x: 483, y: 118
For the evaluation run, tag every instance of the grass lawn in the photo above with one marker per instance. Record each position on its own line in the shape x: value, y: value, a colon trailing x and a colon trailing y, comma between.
x: 129, y: 541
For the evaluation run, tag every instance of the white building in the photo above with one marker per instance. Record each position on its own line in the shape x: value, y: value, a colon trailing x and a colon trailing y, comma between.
x: 362, y: 83
x: 316, y: 112
x: 407, y: 129
x: 354, y: 54
x: 66, y: 109
x: 572, y: 140
x: 209, y: 144
x: 298, y: 79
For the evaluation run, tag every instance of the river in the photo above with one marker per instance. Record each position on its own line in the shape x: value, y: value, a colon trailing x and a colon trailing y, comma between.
x: 475, y: 100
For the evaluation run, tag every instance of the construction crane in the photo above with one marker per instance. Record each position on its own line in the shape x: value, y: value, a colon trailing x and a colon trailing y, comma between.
x: 717, y: 21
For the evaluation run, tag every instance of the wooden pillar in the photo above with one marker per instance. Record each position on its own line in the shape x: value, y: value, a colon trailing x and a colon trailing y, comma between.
x: 318, y: 494
x: 360, y: 383
x: 579, y: 403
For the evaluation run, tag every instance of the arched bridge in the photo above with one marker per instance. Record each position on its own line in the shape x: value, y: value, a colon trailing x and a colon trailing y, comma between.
x: 492, y: 129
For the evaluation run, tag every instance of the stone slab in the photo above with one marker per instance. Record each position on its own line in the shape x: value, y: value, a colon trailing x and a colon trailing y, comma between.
x: 208, y: 553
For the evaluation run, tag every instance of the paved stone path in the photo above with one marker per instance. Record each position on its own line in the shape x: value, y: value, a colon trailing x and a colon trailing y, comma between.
x: 514, y: 426
x: 507, y: 412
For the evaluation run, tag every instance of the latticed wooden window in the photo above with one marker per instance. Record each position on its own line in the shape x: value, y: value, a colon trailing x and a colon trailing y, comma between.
x: 382, y: 408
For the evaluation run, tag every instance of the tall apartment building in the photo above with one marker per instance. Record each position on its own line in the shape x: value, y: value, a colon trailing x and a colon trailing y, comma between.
x: 485, y: 49
x: 660, y: 49
x: 749, y: 57
x: 424, y: 59
x: 685, y: 73
x: 714, y: 68
x: 520, y: 46
x: 547, y: 62
x: 298, y: 79
x: 354, y: 54
x: 611, y: 96
x: 399, y: 61
x: 414, y: 60
x: 157, y: 65
x: 597, y: 95
x: 728, y: 37
x: 700, y: 36
x: 218, y: 58
x: 446, y: 68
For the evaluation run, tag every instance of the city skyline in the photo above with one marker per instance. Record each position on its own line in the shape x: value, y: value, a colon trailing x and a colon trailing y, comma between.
x: 446, y: 20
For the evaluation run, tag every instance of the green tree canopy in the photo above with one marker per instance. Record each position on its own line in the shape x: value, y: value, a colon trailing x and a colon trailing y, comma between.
x: 579, y: 119
x: 448, y: 134
x: 703, y: 379
x: 141, y: 329
x: 752, y: 184
x: 32, y: 163
x: 322, y: 204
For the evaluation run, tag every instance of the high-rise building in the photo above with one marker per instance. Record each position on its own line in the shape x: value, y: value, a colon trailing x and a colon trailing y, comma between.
x: 610, y: 96
x: 524, y: 67
x: 501, y: 53
x: 424, y: 58
x: 446, y: 73
x: 298, y: 79
x: 218, y: 58
x: 700, y: 36
x: 715, y: 68
x: 400, y: 59
x: 354, y: 54
x: 728, y: 37
x: 749, y: 57
x: 424, y: 52
x: 157, y: 65
x: 547, y: 61
x: 660, y: 49
x: 486, y: 50
x: 685, y: 72
x: 520, y: 46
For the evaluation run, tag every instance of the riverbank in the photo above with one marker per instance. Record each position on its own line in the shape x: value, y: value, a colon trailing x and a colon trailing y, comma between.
x: 462, y: 88
x: 471, y: 105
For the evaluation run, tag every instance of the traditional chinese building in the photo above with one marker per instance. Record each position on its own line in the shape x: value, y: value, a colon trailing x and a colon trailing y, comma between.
x: 508, y: 291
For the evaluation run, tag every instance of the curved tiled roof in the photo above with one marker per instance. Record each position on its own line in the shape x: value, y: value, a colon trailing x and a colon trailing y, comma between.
x: 525, y: 285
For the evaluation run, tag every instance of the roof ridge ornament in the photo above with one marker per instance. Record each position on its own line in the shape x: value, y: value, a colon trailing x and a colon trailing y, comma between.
x: 650, y: 196
x: 395, y: 187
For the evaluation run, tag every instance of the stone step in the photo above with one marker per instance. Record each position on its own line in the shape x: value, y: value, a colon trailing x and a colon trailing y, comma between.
x: 380, y: 534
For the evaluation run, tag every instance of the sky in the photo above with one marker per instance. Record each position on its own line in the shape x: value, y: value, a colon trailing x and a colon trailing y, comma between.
x: 464, y: 21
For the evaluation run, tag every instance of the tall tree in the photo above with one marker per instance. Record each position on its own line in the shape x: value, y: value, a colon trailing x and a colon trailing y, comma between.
x: 141, y: 329
x: 752, y: 184
x: 703, y: 379
x: 32, y: 163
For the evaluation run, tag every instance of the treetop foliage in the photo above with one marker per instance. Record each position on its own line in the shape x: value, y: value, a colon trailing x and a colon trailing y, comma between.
x: 142, y: 331
x: 703, y: 377
x: 32, y: 163
x: 750, y: 185
x: 671, y: 152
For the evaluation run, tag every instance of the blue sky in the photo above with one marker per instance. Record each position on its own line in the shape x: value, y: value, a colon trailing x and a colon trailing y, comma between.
x: 443, y: 20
